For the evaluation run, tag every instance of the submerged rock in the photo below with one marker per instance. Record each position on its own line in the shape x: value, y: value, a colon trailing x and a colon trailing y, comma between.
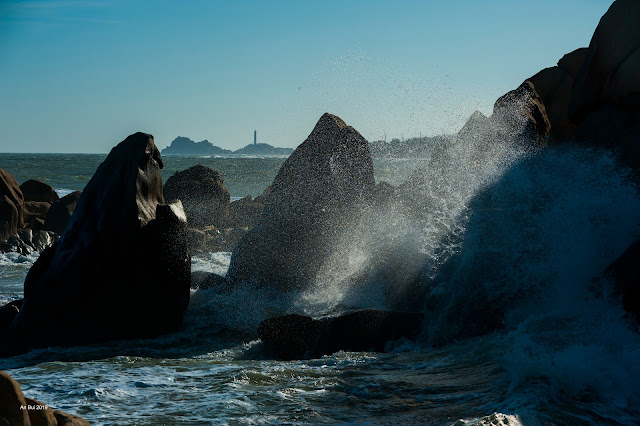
x: 328, y: 178
x: 11, y: 206
x: 296, y: 336
x: 16, y: 409
x: 203, y: 194
x: 121, y: 269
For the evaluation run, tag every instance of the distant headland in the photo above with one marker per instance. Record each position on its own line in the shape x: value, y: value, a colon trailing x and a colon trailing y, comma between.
x: 185, y: 146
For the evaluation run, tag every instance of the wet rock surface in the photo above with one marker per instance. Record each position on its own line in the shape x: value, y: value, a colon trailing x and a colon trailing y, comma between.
x: 123, y: 248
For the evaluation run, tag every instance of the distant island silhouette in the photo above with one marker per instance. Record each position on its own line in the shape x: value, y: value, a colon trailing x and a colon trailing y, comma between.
x: 185, y: 146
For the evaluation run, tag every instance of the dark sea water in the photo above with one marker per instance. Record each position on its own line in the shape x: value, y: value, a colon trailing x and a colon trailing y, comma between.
x: 522, y: 233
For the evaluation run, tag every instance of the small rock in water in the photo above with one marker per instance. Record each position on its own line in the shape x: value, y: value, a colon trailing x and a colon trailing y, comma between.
x: 296, y: 336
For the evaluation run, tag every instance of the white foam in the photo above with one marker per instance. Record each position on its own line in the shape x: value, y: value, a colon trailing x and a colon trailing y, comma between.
x: 215, y: 262
x: 63, y: 191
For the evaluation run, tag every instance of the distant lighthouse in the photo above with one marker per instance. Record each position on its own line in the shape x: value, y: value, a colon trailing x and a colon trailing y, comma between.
x: 255, y: 137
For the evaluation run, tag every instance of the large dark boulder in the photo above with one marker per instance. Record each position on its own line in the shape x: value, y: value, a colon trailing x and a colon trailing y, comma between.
x: 35, y: 190
x: 121, y: 269
x: 60, y: 212
x: 296, y: 336
x: 203, y: 194
x: 327, y: 179
x: 11, y: 206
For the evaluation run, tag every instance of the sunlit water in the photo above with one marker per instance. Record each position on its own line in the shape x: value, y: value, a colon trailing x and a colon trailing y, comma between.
x: 520, y: 233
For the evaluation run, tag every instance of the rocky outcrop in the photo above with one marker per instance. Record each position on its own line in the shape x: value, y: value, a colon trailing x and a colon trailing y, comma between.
x: 327, y: 178
x: 592, y: 96
x: 521, y: 112
x: 11, y: 206
x: 296, y: 336
x: 121, y: 269
x: 60, y: 212
x: 555, y: 85
x: 35, y: 190
x: 16, y: 409
x: 203, y: 194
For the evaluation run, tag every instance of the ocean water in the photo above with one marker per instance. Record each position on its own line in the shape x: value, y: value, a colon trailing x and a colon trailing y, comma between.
x: 498, y: 232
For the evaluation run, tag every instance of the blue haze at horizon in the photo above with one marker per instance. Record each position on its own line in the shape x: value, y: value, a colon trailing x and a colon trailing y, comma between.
x: 80, y: 76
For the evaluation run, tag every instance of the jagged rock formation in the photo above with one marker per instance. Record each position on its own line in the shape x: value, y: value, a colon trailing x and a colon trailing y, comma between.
x: 327, y: 178
x: 121, y: 269
x: 521, y: 112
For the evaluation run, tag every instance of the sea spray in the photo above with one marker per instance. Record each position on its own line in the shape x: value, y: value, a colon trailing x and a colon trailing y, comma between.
x: 393, y: 247
x: 535, y: 239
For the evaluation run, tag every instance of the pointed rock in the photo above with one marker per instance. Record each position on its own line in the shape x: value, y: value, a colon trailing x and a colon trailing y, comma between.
x: 121, y: 268
x: 325, y: 180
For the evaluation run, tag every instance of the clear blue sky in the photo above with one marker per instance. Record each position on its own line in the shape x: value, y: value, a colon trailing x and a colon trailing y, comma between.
x: 79, y: 76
